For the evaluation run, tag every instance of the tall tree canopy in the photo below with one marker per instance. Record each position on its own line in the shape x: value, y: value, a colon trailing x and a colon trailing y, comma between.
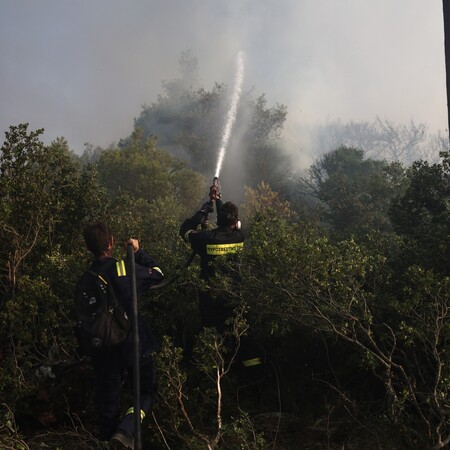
x: 422, y: 216
x: 44, y: 193
x: 355, y: 191
x: 188, y: 121
x: 144, y: 171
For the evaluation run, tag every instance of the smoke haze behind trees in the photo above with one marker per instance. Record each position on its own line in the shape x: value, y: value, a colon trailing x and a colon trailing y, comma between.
x: 189, y: 122
x: 82, y: 70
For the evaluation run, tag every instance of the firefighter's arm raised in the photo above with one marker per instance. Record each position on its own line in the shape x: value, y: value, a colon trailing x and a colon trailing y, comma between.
x: 144, y: 259
x: 190, y: 225
x: 134, y: 243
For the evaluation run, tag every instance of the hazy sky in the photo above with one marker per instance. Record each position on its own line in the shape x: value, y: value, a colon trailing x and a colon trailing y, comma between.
x: 82, y: 68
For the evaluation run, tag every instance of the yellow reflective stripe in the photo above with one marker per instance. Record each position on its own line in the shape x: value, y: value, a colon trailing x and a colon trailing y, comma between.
x: 120, y: 266
x: 101, y: 278
x: 131, y: 411
x: 158, y: 270
x: 224, y: 249
x: 252, y: 362
x: 186, y: 235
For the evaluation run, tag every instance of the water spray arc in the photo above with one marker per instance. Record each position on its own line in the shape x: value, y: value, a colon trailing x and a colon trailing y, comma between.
x: 231, y: 116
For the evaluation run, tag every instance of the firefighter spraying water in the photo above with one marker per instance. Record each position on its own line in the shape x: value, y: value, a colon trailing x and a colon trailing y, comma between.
x: 224, y: 241
x: 227, y: 238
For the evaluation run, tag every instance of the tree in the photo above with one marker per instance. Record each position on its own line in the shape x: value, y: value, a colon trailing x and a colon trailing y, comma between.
x: 213, y: 358
x: 142, y: 170
x: 45, y: 193
x: 23, y: 208
x: 422, y: 216
x: 398, y: 329
x: 41, y: 199
x: 188, y: 121
x: 355, y: 192
x: 261, y: 199
x: 398, y: 142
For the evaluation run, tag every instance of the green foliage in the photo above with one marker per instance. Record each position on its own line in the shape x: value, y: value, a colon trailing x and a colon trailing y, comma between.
x: 422, y: 216
x: 143, y: 171
x: 187, y: 121
x: 10, y: 437
x: 213, y: 357
x: 343, y: 289
x: 353, y: 325
x: 356, y: 192
x: 241, y: 434
x: 45, y: 196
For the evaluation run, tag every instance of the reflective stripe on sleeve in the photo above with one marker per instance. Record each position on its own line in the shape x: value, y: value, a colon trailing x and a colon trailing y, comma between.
x: 224, y: 249
x: 186, y: 235
x: 252, y: 362
x: 121, y: 270
x: 158, y: 270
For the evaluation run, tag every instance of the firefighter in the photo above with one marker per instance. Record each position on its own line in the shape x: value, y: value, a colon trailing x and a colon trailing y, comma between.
x: 227, y: 240
x: 224, y: 241
x: 110, y: 364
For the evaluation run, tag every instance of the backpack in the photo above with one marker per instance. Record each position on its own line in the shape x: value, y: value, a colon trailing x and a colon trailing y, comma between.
x: 101, y: 321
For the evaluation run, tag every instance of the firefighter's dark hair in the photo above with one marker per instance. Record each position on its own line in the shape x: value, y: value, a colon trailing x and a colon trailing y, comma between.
x: 228, y: 215
x: 97, y: 237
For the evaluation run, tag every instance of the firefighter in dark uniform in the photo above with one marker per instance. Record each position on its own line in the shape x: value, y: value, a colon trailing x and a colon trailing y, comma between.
x: 227, y: 240
x: 111, y: 364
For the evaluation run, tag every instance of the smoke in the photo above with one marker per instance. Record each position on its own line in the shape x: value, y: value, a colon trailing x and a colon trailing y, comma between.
x: 380, y: 138
x: 83, y: 69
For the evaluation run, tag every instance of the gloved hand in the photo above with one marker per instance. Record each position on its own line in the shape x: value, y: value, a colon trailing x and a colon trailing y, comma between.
x: 205, y: 223
x: 207, y: 207
x: 214, y: 193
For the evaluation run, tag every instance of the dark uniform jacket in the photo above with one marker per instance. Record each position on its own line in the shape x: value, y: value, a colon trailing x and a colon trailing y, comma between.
x: 208, y: 244
x: 110, y: 363
x: 147, y: 274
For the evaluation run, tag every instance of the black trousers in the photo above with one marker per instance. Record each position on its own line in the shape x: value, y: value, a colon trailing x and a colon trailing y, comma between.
x: 110, y: 367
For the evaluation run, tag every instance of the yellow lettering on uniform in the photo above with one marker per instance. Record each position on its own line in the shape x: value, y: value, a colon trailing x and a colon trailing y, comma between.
x: 224, y: 249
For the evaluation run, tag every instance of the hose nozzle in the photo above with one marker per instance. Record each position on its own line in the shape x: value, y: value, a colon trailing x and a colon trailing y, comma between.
x: 214, y: 190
